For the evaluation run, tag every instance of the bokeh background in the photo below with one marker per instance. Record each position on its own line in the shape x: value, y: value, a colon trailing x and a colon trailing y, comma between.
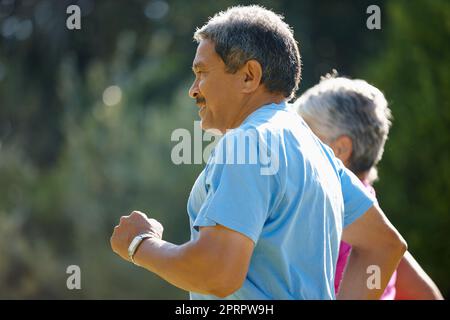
x: 86, y: 118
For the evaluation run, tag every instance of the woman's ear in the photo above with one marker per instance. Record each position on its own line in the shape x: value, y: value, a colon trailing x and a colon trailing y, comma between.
x: 252, y: 72
x: 343, y: 148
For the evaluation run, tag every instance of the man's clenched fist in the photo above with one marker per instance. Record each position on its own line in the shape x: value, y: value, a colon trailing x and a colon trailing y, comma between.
x: 131, y: 226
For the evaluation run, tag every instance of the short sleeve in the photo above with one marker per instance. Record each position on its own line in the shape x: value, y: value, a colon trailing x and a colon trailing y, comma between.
x: 357, y: 199
x: 238, y: 195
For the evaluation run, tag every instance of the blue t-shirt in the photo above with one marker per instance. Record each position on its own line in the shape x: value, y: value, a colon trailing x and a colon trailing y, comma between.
x: 274, y: 181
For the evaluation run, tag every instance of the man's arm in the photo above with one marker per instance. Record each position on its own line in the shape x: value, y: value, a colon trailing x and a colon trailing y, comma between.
x: 217, y: 263
x: 375, y: 242
x: 413, y: 283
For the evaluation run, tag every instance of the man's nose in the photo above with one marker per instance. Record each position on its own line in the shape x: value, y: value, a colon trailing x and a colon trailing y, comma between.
x: 193, y: 91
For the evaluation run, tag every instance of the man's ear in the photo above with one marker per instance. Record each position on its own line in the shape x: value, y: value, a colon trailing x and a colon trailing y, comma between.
x: 343, y: 148
x: 252, y: 72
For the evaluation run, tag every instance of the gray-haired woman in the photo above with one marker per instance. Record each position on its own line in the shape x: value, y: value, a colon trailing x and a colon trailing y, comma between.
x: 353, y: 118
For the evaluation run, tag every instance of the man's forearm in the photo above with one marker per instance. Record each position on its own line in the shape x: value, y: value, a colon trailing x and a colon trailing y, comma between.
x: 377, y: 248
x: 356, y: 282
x: 216, y: 263
x: 181, y: 265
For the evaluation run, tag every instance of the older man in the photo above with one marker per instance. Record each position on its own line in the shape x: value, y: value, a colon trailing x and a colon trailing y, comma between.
x: 256, y: 233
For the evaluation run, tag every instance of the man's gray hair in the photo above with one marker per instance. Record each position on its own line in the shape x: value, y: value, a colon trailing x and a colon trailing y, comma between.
x: 341, y: 106
x: 244, y: 33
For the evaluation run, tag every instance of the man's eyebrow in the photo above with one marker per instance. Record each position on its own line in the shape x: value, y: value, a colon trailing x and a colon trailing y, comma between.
x: 197, y: 65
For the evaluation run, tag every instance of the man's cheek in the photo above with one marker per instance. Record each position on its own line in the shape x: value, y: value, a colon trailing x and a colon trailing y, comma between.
x: 202, y: 89
x: 208, y: 90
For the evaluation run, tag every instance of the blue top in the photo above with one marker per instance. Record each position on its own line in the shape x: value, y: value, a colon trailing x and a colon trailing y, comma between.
x: 275, y: 182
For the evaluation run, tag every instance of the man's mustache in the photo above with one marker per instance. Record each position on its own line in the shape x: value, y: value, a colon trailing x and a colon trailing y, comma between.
x: 200, y: 100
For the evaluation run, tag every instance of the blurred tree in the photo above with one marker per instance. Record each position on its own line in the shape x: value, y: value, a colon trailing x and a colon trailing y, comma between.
x: 413, y: 71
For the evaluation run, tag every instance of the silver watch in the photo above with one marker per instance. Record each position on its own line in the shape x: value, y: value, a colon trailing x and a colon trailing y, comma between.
x: 134, y: 245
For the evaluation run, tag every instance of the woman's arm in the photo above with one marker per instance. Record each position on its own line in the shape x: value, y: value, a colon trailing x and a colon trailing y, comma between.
x: 413, y: 283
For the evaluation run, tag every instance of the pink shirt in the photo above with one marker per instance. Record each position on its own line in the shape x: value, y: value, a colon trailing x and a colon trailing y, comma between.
x: 344, y: 252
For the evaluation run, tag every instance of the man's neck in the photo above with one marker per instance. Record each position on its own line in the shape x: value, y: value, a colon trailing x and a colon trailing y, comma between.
x: 253, y: 103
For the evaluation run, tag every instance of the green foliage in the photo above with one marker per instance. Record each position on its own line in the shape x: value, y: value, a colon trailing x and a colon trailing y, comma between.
x: 114, y: 161
x: 414, y: 186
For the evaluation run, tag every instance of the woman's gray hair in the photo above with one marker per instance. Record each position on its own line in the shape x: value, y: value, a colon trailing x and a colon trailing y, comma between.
x: 340, y: 106
x: 244, y: 33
